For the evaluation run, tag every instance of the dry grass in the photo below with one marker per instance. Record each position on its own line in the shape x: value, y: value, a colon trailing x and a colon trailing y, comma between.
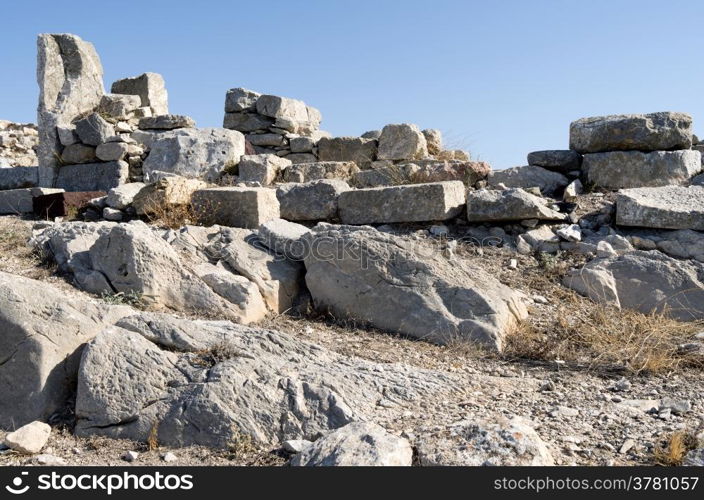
x: 14, y: 237
x: 153, y: 438
x: 675, y: 449
x: 170, y: 216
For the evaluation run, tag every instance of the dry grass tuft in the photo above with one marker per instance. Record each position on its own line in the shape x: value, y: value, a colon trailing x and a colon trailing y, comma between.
x: 677, y: 446
x: 153, y: 438
x: 170, y: 216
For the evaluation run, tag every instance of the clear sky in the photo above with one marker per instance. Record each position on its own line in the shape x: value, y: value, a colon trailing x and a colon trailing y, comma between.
x: 499, y: 78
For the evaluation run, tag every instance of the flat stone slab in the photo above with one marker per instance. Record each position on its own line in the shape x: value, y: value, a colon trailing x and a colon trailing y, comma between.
x: 558, y: 160
x: 525, y: 177
x: 19, y: 177
x: 511, y: 204
x: 236, y: 206
x: 306, y: 172
x: 407, y: 203
x: 667, y: 207
x: 634, y: 169
x: 651, y: 132
x: 92, y: 176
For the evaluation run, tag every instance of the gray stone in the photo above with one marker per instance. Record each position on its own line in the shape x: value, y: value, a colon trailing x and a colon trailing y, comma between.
x: 371, y: 134
x: 668, y: 207
x: 30, y: 438
x: 406, y: 286
x: 306, y: 172
x: 526, y: 177
x: 166, y: 122
x: 310, y: 201
x: 18, y: 177
x: 563, y: 161
x: 357, y: 444
x: 269, y: 140
x: 650, y: 132
x: 634, y: 169
x: 402, y: 142
x: 240, y: 291
x: 16, y: 201
x: 67, y: 134
x: 265, y: 385
x: 282, y: 107
x: 119, y: 106
x: 410, y: 203
x: 573, y: 190
x: 195, y: 153
x: 542, y: 239
x: 121, y: 197
x: 433, y: 138
x: 246, y: 122
x: 284, y: 238
x: 264, y: 169
x: 94, y: 129
x: 302, y: 158
x: 165, y: 194
x: 236, y: 206
x: 295, y: 445
x: 356, y: 149
x: 92, y: 176
x: 301, y: 144
x: 494, y: 441
x: 151, y: 89
x: 41, y: 346
x: 111, y: 151
x: 649, y: 282
x: 487, y: 205
x: 571, y: 233
x: 78, y: 153
x: 112, y: 214
x: 70, y: 79
x: 239, y: 100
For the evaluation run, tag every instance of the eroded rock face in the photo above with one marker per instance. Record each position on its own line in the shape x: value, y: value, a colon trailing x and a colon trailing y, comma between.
x: 70, y: 79
x: 263, y: 384
x: 651, y: 132
x: 667, y: 207
x: 403, y: 286
x: 649, y: 282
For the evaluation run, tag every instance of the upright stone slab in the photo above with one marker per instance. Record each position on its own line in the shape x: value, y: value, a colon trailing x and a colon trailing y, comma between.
x: 151, y: 89
x: 92, y: 176
x: 408, y: 203
x: 667, y: 207
x: 236, y: 206
x: 70, y: 79
x: 651, y: 132
x: 634, y: 169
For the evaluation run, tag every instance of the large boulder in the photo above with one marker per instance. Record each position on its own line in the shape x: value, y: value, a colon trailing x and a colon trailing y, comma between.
x: 405, y: 286
x: 357, y: 444
x: 212, y: 382
x: 634, y: 169
x: 667, y: 207
x: 70, y: 79
x: 407, y: 203
x: 649, y: 282
x: 493, y: 441
x: 264, y: 169
x: 315, y: 200
x: 402, y: 142
x: 486, y: 205
x: 355, y: 149
x: 150, y: 88
x: 547, y: 181
x: 196, y: 153
x: 42, y: 332
x: 651, y: 132
x: 166, y: 194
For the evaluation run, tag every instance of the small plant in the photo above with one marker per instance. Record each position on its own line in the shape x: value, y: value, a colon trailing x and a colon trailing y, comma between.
x: 153, y: 438
x: 240, y: 445
x: 673, y: 452
x: 217, y: 353
x: 130, y: 298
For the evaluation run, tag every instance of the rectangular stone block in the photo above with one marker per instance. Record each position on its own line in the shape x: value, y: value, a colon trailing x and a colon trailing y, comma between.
x: 434, y: 201
x: 19, y: 177
x: 16, y: 201
x: 667, y: 207
x: 316, y: 200
x: 92, y: 176
x: 236, y: 206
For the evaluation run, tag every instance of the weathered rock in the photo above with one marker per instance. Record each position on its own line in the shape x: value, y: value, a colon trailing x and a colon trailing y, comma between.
x: 563, y: 161
x: 651, y: 132
x: 94, y: 129
x: 302, y: 158
x: 41, y: 343
x: 92, y: 176
x: 302, y: 144
x: 468, y: 172
x: 526, y: 177
x: 70, y: 79
x: 119, y: 106
x: 166, y: 122
x: 266, y: 140
x: 236, y: 206
x: 246, y: 122
x: 165, y: 194
x: 667, y: 207
x: 78, y: 153
x: 239, y: 100
x: 404, y: 286
x: 348, y: 149
x: 633, y: 169
x: 649, y: 282
x: 195, y: 153
x: 433, y: 138
x: 111, y: 151
x: 357, y: 444
x: 496, y: 441
x: 573, y: 190
x: 306, y: 172
x: 241, y: 292
x: 409, y: 203
x: 122, y: 196
x: 151, y: 89
x: 402, y: 142
x: 383, y: 174
x: 30, y: 438
x: 284, y: 238
x: 487, y: 205
x: 264, y: 384
x: 315, y: 200
x: 282, y: 107
x: 18, y: 177
x: 263, y: 169
x: 16, y: 201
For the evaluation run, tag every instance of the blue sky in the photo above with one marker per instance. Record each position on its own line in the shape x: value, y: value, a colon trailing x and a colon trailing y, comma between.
x: 499, y: 78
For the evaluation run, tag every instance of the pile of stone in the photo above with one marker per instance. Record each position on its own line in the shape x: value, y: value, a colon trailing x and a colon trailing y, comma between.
x: 18, y: 144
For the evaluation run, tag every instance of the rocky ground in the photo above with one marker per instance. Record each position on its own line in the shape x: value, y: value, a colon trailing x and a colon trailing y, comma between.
x: 613, y: 403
